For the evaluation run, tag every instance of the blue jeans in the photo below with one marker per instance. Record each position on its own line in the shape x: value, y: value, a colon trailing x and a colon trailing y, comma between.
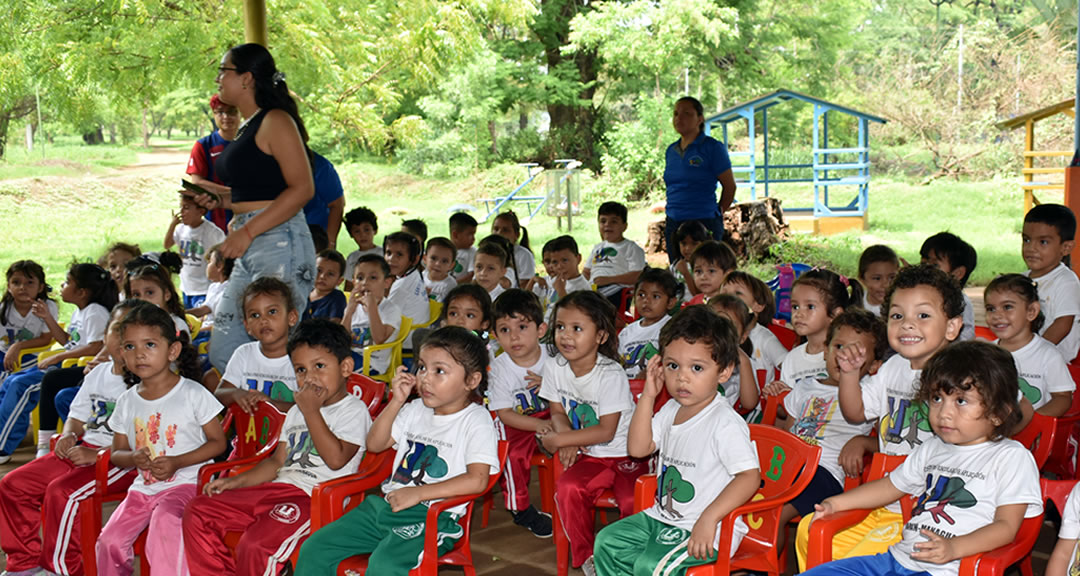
x: 286, y: 252
x: 63, y: 401
x: 714, y: 225
x: 18, y: 396
x: 878, y: 565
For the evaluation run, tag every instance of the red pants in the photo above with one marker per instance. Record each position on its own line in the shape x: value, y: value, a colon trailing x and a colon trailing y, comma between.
x: 273, y: 518
x: 57, y: 487
x: 576, y: 491
x: 515, y: 476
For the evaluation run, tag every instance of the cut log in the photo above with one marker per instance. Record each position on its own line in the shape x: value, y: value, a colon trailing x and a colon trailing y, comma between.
x: 750, y: 228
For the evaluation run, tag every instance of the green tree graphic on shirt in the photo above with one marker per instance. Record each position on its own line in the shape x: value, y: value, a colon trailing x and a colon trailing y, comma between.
x: 1033, y: 394
x: 674, y: 489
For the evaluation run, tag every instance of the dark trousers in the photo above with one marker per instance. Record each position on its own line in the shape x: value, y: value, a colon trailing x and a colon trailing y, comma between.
x: 54, y: 381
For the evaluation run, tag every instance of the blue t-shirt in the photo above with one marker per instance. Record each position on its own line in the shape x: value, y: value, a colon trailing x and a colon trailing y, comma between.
x: 330, y: 306
x: 327, y: 189
x: 691, y: 178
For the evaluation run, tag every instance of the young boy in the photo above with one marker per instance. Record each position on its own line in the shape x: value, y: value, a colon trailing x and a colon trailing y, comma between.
x: 362, y: 225
x: 948, y: 253
x: 1049, y: 234
x: 707, y: 465
x: 193, y: 235
x: 463, y: 235
x: 416, y: 227
x: 325, y: 300
x: 768, y: 352
x: 562, y: 260
x: 323, y: 438
x: 439, y: 259
x: 813, y: 415
x: 514, y: 385
x: 373, y: 318
x: 711, y: 262
x: 261, y: 370
x: 218, y: 270
x: 615, y: 262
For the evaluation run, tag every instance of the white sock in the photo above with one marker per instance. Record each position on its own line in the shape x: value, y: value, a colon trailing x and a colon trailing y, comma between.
x: 43, y: 437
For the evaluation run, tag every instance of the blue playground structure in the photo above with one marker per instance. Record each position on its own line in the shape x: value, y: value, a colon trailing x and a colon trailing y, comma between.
x: 562, y: 188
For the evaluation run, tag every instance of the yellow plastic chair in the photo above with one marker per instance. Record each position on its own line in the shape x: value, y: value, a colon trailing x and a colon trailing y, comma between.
x: 395, y: 353
x: 194, y: 324
x: 30, y: 352
x: 434, y: 311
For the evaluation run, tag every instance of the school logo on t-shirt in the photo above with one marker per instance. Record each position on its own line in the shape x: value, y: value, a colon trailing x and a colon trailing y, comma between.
x: 640, y: 355
x: 673, y: 488
x: 811, y: 423
x: 1030, y: 392
x: 301, y: 449
x: 420, y: 460
x: 191, y: 249
x: 529, y: 402
x: 361, y: 337
x: 904, y: 421
x: 605, y: 255
x: 100, y: 411
x: 581, y: 415
x: 275, y: 389
x: 695, y: 161
x: 940, y: 493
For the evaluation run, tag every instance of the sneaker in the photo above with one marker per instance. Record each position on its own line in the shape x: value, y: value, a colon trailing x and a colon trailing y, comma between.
x: 539, y: 523
x: 589, y: 568
x: 30, y: 572
x: 4, y: 459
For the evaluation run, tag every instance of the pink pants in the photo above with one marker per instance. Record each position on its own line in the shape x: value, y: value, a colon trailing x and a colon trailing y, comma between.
x: 162, y: 514
x: 576, y: 491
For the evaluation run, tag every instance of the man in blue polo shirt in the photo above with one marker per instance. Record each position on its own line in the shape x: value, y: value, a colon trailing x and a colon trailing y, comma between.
x: 327, y: 207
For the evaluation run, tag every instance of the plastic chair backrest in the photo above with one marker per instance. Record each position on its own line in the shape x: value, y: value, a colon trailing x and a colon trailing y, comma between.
x: 1038, y: 436
x: 781, y: 287
x: 1057, y: 491
x: 255, y: 431
x: 785, y: 335
x: 985, y: 333
x: 395, y: 352
x: 368, y: 390
x: 1074, y: 409
x: 194, y: 324
x: 787, y: 463
x: 772, y: 407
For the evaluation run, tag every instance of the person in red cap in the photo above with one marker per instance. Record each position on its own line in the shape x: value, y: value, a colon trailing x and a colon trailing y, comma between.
x: 206, y: 150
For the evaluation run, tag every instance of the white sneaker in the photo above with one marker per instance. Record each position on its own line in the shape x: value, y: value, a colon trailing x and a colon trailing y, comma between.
x: 4, y: 459
x: 589, y: 568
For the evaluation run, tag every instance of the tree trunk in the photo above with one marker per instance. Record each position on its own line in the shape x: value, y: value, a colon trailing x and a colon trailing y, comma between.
x: 112, y: 133
x: 494, y: 138
x: 523, y: 121
x: 5, y: 122
x: 145, y: 129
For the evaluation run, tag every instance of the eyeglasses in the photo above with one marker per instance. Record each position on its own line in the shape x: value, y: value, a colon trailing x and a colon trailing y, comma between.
x: 223, y: 69
x: 220, y: 112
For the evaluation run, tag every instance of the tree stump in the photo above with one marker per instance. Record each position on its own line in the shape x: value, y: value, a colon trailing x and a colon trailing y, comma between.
x: 750, y: 228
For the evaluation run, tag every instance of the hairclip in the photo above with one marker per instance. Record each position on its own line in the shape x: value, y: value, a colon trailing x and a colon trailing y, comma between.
x: 278, y: 77
x: 844, y: 281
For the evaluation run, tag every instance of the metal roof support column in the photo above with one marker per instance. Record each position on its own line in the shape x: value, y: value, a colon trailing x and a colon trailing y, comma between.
x: 255, y: 21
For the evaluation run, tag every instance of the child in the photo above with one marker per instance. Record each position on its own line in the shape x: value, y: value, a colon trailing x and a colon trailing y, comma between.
x: 218, y: 270
x: 1012, y: 312
x: 323, y: 438
x: 741, y: 388
x: 616, y: 261
x: 362, y: 225
x: 1049, y: 233
x: 707, y: 466
x: 417, y: 228
x: 166, y: 426
x: 689, y: 236
x: 325, y: 300
x: 463, y: 235
x: 116, y: 258
x: 817, y: 297
x: 590, y: 401
x: 507, y: 225
x: 878, y: 266
x: 711, y: 262
x: 402, y: 252
x: 514, y: 395
x: 490, y: 267
x: 261, y: 370
x: 373, y: 318
x: 149, y: 278
x: 655, y: 294
x: 91, y: 290
x: 467, y: 306
x: 1065, y: 559
x: 438, y: 262
x: 948, y: 253
x: 20, y: 329
x: 446, y: 425
x: 40, y: 500
x: 974, y: 485
x: 193, y: 235
x: 813, y: 414
x: 768, y: 353
x: 562, y: 260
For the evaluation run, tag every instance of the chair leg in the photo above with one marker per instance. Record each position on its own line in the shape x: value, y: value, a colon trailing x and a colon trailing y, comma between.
x: 89, y: 530
x: 485, y: 511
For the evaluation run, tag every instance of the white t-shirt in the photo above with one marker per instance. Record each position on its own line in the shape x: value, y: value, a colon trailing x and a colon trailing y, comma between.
x: 495, y: 292
x: 1070, y: 528
x: 213, y: 298
x: 638, y: 343
x: 549, y: 296
x: 525, y: 262
x: 19, y: 328
x: 433, y: 448
x: 604, y: 390
x: 409, y: 294
x: 686, y: 295
x: 960, y: 488
x: 698, y: 459
x: 731, y: 389
x: 193, y: 243
x: 169, y: 426
x: 350, y: 261
x: 1042, y: 371
x: 1059, y: 295
x: 874, y: 309
x: 250, y: 369
x: 181, y: 324
x: 87, y: 325
x: 888, y: 396
x: 768, y: 351
x: 819, y: 422
x: 437, y: 289
x: 613, y: 259
x: 463, y: 262
x: 390, y: 315
x: 304, y: 468
x: 967, y: 331
x: 799, y: 365
x: 95, y: 402
x: 507, y: 387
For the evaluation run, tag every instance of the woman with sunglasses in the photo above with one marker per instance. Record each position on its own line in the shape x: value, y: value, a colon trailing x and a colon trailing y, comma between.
x: 206, y: 149
x: 267, y: 168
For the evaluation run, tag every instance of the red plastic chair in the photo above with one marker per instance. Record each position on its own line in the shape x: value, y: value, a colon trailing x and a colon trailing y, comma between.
x: 1062, y: 462
x: 984, y: 333
x: 785, y: 335
x: 372, y: 392
x: 1056, y: 491
x: 1038, y: 437
x: 772, y: 407
x: 787, y: 466
x: 626, y: 301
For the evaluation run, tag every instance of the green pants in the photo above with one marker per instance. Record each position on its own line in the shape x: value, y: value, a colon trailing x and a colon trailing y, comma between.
x: 395, y: 540
x: 643, y: 546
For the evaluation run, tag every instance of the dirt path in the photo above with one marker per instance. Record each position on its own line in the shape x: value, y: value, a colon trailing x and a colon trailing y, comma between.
x: 153, y: 162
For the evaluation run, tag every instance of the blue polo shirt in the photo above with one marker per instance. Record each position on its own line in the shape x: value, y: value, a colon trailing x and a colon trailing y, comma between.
x: 691, y: 177
x: 327, y: 189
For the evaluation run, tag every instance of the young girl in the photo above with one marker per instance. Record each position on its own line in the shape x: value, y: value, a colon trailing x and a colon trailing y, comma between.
x: 446, y: 426
x: 741, y: 389
x: 40, y: 500
x: 817, y: 296
x: 974, y: 485
x: 878, y: 266
x: 1012, y: 311
x: 689, y: 236
x: 165, y: 425
x: 402, y: 252
x: 20, y: 329
x: 116, y: 257
x: 149, y: 278
x: 508, y: 226
x: 768, y: 352
x: 90, y: 289
x: 655, y: 294
x: 491, y: 265
x: 467, y: 306
x: 590, y: 401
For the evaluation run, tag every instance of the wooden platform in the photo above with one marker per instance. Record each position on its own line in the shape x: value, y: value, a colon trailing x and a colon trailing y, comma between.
x: 825, y: 226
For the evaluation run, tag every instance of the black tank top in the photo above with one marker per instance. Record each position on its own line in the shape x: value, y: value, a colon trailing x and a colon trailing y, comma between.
x: 252, y: 174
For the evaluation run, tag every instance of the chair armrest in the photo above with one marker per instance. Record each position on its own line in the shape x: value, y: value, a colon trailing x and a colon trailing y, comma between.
x: 431, y: 534
x: 996, y: 561
x: 239, y: 465
x: 328, y: 498
x: 822, y: 532
x: 644, y: 490
x: 101, y: 472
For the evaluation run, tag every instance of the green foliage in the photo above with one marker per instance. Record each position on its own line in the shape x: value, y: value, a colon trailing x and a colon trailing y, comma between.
x: 634, y: 158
